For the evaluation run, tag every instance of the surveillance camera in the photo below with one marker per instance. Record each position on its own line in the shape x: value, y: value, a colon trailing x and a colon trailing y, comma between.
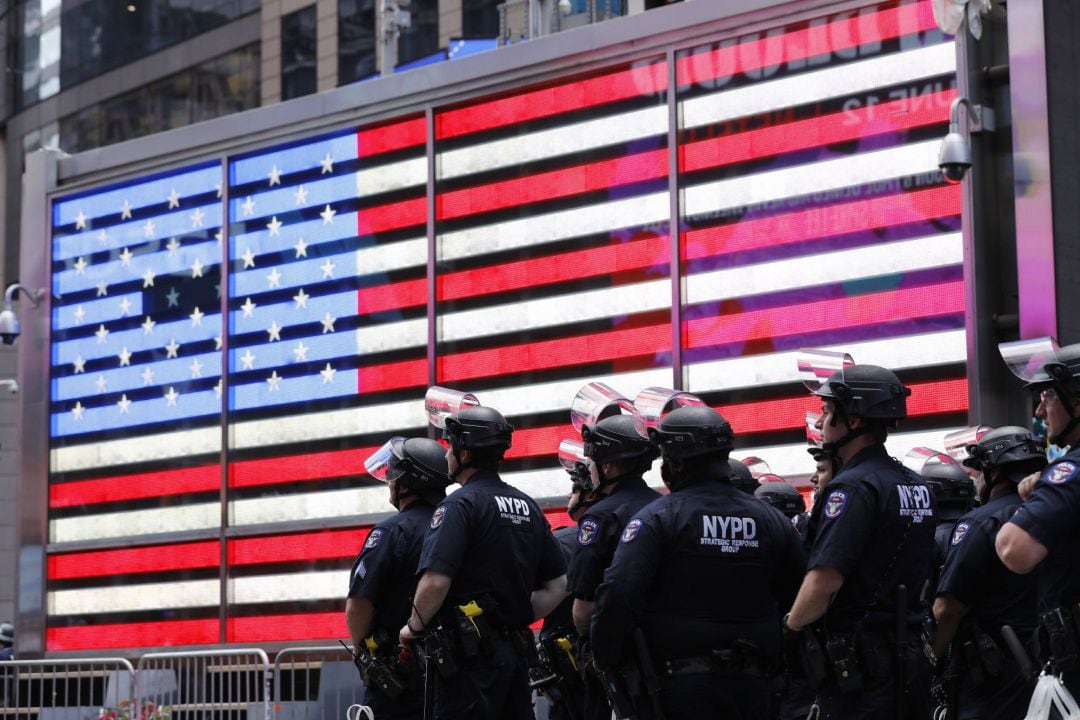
x: 954, y: 158
x: 11, y: 385
x: 9, y: 327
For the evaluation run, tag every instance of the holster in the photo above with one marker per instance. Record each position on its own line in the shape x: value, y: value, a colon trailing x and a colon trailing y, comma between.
x: 843, y: 654
x: 981, y: 657
x: 1059, y: 627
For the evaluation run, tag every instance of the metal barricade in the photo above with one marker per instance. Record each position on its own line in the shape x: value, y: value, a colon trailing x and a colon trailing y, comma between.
x: 207, y: 685
x: 315, y: 683
x: 83, y: 689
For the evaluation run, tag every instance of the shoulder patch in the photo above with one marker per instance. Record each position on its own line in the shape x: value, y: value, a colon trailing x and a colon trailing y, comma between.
x: 959, y: 532
x: 587, y: 532
x: 1061, y: 472
x: 373, y: 538
x: 631, y: 530
x: 437, y: 516
x: 835, y: 503
x: 361, y: 570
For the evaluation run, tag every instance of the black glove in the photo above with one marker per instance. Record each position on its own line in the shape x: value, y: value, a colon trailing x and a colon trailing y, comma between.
x: 792, y: 648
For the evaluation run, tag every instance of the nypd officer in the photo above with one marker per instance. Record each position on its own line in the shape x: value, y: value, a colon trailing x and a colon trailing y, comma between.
x: 785, y: 498
x: 704, y: 575
x: 954, y: 492
x: 1045, y: 531
x: 619, y: 458
x: 876, y: 533
x: 977, y: 595
x: 384, y: 574
x: 489, y: 567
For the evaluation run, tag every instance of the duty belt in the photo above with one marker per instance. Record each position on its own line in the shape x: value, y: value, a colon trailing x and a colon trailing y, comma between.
x: 740, y: 660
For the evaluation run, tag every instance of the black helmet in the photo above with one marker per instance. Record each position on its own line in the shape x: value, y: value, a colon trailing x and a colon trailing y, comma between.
x: 1006, y: 446
x: 781, y: 496
x: 693, y: 430
x: 616, y: 438
x: 867, y: 391
x: 950, y: 484
x: 478, y: 427
x: 415, y: 463
x: 741, y: 477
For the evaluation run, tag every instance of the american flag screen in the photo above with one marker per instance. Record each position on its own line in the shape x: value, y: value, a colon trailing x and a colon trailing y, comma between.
x: 206, y: 472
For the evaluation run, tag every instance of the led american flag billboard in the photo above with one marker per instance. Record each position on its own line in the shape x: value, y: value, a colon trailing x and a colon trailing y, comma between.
x: 206, y: 480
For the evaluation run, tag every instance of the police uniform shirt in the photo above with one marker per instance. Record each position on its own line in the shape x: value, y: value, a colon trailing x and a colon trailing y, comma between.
x: 876, y: 528
x: 492, y: 540
x: 697, y: 570
x: 385, y: 570
x: 975, y: 576
x: 598, y: 535
x: 561, y: 618
x: 1052, y: 516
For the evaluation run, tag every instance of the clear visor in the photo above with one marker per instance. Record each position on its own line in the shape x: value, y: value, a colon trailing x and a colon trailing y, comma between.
x: 1026, y: 358
x: 769, y: 478
x: 379, y: 462
x: 958, y: 441
x: 817, y: 366
x: 596, y: 401
x: 920, y: 458
x: 572, y: 454
x: 758, y: 467
x: 813, y: 435
x: 440, y: 403
x: 654, y: 403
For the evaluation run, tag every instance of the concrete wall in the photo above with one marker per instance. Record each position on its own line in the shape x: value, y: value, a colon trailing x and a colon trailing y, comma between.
x: 9, y: 474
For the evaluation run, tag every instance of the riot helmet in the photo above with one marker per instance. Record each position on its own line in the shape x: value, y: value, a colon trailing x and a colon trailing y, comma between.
x: 781, y: 495
x: 1012, y: 449
x: 610, y: 428
x: 1042, y: 365
x: 950, y: 483
x: 416, y: 464
x: 741, y: 477
x: 693, y: 431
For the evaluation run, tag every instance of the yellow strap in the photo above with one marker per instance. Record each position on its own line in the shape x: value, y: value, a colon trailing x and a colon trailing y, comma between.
x: 371, y: 645
x: 567, y: 647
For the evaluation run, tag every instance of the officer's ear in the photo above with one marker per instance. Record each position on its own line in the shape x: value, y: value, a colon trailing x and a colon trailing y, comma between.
x: 465, y: 456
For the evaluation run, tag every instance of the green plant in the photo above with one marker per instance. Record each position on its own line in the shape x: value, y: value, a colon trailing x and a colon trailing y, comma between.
x: 149, y: 711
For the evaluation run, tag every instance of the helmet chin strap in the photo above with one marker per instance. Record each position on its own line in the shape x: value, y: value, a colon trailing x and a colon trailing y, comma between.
x: 1062, y: 438
x: 456, y: 448
x: 833, y: 448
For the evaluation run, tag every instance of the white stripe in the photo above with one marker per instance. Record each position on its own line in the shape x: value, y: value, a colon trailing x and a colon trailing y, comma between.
x: 130, y: 598
x: 136, y: 522
x: 541, y: 229
x: 820, y: 177
x: 808, y: 270
x: 393, y: 176
x: 543, y: 144
x: 310, y: 506
x: 558, y: 310
x: 899, y: 353
x: 841, y: 81
x: 329, y: 584
x: 392, y: 256
x: 391, y: 336
x: 546, y: 397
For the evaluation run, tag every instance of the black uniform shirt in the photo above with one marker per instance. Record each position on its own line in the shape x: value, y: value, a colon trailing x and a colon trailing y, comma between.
x: 561, y: 618
x: 697, y: 570
x: 1052, y: 516
x: 598, y: 535
x: 876, y: 528
x: 975, y: 576
x: 385, y: 570
x: 492, y: 540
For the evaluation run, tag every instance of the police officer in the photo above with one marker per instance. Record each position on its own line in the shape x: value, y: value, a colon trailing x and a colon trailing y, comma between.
x: 876, y: 532
x: 741, y: 477
x: 954, y: 492
x: 785, y: 498
x: 704, y: 574
x: 7, y: 640
x: 977, y: 595
x: 619, y: 458
x: 489, y: 567
x: 1045, y: 531
x: 384, y: 574
x: 824, y: 469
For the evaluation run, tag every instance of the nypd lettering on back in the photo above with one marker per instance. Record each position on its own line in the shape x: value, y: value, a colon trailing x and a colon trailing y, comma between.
x: 513, y: 509
x: 915, y: 502
x: 729, y: 533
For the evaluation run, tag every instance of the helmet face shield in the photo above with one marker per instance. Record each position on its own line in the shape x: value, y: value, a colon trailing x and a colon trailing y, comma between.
x: 1027, y: 359
x: 440, y: 403
x: 758, y: 468
x: 958, y: 442
x: 813, y: 435
x: 572, y: 454
x: 922, y: 459
x: 654, y: 403
x: 817, y: 366
x: 384, y: 463
x: 596, y: 401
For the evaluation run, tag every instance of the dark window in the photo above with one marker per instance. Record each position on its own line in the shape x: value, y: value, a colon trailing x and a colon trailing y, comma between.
x: 480, y: 18
x: 298, y: 53
x: 356, y: 40
x: 422, y: 38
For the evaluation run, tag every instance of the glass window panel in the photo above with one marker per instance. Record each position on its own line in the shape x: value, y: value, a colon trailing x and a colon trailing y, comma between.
x: 298, y: 57
x: 356, y: 40
x: 480, y: 18
x: 421, y: 38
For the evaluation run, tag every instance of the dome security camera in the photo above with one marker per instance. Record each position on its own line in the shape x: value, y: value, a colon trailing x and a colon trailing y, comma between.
x: 954, y: 157
x: 9, y: 327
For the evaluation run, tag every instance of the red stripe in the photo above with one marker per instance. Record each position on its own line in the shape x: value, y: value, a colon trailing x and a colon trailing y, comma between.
x: 558, y: 518
x: 278, y: 628
x: 375, y: 141
x: 839, y: 127
x: 531, y: 105
x: 910, y: 303
x: 539, y: 441
x: 393, y: 296
x: 565, y: 182
x: 392, y: 376
x: 127, y: 561
x: 564, y: 352
x: 132, y: 635
x: 310, y: 466
x: 321, y: 545
x: 857, y: 216
x: 393, y: 216
x: 765, y: 415
x: 822, y: 39
x: 133, y: 487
